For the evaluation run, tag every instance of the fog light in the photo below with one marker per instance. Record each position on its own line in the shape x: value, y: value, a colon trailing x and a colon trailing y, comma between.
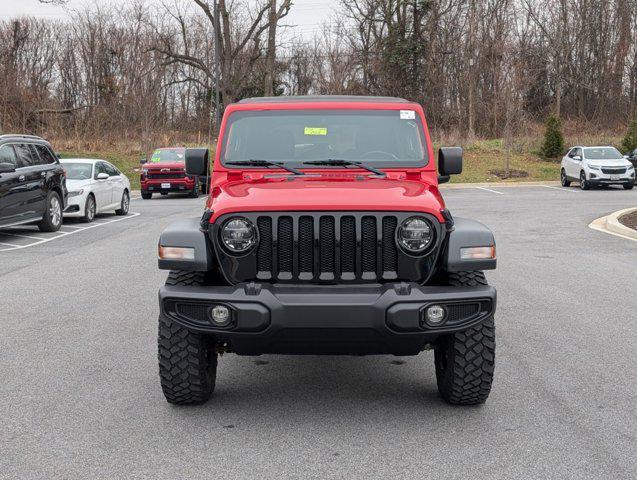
x: 220, y: 315
x: 435, y: 314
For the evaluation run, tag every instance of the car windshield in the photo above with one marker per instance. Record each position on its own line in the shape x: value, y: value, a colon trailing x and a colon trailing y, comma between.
x: 379, y: 138
x: 602, y: 153
x: 78, y: 171
x: 168, y: 155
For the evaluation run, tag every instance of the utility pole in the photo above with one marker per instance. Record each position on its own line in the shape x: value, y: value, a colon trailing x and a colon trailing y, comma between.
x: 217, y: 68
x: 271, y: 50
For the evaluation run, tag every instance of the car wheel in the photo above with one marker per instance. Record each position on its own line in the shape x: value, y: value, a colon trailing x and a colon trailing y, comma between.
x: 52, y: 219
x: 187, y: 359
x: 628, y: 186
x: 124, y: 205
x: 147, y: 195
x: 583, y: 183
x: 90, y: 208
x: 564, y: 179
x: 465, y: 360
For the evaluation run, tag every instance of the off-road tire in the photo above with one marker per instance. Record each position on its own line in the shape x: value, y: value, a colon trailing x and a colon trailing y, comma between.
x: 465, y: 360
x: 147, y: 195
x: 187, y: 360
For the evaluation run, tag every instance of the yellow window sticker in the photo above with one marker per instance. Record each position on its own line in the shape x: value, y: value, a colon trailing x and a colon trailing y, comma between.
x: 315, y: 131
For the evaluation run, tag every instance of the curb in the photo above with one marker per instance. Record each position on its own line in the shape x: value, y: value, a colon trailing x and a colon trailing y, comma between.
x: 499, y: 184
x: 610, y: 224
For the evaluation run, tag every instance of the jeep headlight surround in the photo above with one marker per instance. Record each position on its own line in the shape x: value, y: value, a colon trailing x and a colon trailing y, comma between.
x: 415, y: 235
x: 238, y: 235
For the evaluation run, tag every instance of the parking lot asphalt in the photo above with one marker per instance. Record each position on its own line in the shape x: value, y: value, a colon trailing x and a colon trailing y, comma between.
x: 80, y: 395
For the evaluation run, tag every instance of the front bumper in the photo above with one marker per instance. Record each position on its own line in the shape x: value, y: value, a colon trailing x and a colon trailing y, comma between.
x: 598, y: 178
x: 76, y: 205
x: 174, y: 185
x: 312, y: 319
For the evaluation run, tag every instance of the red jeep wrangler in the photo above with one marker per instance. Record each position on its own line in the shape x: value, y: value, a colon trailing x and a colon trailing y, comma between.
x: 325, y: 233
x: 166, y: 172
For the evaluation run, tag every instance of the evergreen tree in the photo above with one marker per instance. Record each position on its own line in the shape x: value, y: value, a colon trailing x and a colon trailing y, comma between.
x: 553, y: 145
x: 630, y: 140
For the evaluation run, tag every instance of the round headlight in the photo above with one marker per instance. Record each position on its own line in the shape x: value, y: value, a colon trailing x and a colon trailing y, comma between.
x: 415, y: 234
x: 238, y: 235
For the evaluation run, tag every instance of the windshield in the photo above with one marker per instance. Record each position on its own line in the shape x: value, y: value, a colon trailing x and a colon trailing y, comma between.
x: 380, y: 138
x: 602, y: 153
x: 168, y: 155
x: 78, y: 171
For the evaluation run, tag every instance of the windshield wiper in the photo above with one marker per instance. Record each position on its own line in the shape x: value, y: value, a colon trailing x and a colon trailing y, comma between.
x: 334, y: 162
x: 265, y: 163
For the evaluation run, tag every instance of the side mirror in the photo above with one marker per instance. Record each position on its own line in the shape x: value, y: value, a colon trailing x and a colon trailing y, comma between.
x: 449, y: 163
x: 577, y: 158
x: 142, y: 161
x: 102, y: 176
x: 197, y: 162
x: 7, y: 167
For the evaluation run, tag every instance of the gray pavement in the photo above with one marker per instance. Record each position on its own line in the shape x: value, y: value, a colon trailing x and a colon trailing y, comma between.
x: 80, y: 395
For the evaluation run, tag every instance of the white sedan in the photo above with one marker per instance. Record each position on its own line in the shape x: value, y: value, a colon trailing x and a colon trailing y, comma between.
x: 95, y: 186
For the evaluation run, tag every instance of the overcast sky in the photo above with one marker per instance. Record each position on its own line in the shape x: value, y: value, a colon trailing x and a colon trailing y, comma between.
x: 306, y: 15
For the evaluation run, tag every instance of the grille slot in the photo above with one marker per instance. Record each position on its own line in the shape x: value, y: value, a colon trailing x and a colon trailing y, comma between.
x: 326, y: 247
x: 306, y: 244
x: 264, y: 251
x: 285, y: 235
x: 614, y: 170
x: 461, y: 311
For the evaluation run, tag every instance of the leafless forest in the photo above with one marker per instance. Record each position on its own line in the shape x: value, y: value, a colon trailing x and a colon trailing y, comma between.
x: 481, y: 68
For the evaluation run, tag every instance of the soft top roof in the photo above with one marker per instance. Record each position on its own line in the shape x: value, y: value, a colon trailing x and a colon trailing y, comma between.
x: 323, y: 98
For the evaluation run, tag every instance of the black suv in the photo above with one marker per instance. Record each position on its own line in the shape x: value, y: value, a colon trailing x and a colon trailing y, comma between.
x: 32, y: 183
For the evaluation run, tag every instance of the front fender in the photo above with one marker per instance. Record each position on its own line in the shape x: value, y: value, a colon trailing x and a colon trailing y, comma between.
x: 468, y: 233
x: 187, y: 234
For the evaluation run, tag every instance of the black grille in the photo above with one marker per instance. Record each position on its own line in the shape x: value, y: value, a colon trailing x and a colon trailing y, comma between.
x: 326, y: 247
x: 194, y: 312
x: 158, y: 176
x: 461, y: 311
x: 614, y: 170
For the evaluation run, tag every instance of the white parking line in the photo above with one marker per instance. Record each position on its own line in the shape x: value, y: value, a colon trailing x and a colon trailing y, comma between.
x: 489, y: 190
x: 561, y: 189
x: 62, y: 234
x: 22, y: 236
x: 9, y: 245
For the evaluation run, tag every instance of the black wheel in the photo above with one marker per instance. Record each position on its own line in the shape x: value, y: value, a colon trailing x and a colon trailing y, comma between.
x: 124, y: 204
x: 187, y: 360
x: 628, y: 186
x: 583, y: 183
x: 52, y: 218
x: 195, y: 190
x: 147, y: 195
x: 164, y: 194
x: 465, y: 360
x: 564, y: 179
x: 89, y: 209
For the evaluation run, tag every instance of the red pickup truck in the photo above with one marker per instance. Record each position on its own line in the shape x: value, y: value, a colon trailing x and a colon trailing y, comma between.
x: 325, y: 233
x: 166, y: 173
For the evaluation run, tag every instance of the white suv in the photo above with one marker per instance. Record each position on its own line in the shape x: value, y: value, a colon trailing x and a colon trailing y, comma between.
x: 595, y: 166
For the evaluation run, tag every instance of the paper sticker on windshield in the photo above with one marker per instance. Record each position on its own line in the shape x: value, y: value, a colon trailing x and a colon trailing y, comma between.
x: 315, y: 131
x: 407, y: 115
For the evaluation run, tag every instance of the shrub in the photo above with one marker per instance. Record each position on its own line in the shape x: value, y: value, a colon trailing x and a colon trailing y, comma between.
x: 630, y: 140
x: 553, y: 145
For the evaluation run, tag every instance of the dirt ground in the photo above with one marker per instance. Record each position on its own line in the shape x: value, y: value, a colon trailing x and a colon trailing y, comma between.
x: 629, y: 220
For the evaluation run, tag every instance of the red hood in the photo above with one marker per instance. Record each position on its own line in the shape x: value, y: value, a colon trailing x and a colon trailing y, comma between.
x: 327, y: 192
x: 160, y: 165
